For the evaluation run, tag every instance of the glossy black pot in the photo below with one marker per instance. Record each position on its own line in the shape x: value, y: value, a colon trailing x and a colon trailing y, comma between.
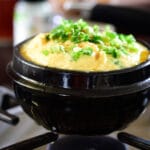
x: 73, y: 102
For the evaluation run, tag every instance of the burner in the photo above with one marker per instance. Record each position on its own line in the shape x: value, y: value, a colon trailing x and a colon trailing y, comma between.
x: 75, y: 142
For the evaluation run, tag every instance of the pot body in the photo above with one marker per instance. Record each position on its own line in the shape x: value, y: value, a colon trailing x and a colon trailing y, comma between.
x: 75, y: 102
x: 81, y: 115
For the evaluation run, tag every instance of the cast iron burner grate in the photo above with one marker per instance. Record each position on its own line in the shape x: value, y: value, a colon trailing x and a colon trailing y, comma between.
x: 76, y: 142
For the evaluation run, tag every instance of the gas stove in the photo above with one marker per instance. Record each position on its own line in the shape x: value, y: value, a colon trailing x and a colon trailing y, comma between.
x: 30, y: 132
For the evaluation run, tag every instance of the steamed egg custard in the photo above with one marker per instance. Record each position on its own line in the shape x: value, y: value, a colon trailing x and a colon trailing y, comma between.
x: 79, y: 46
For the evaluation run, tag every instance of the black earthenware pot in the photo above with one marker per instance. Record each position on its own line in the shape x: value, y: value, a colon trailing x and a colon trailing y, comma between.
x: 74, y: 102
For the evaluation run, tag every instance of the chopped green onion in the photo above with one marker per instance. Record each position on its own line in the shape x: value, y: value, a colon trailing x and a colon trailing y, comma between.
x: 78, y: 52
x: 53, y: 49
x: 130, y: 39
x: 112, y: 43
x: 112, y: 51
x: 45, y: 52
x: 111, y: 35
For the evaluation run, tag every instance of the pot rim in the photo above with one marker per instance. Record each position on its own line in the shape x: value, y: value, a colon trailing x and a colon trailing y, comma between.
x: 94, y: 93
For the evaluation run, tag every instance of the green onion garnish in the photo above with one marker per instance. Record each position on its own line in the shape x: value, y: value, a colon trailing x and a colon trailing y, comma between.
x: 112, y: 43
x: 78, y: 52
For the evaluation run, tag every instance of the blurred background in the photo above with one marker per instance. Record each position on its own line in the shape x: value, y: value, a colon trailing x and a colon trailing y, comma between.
x: 20, y: 19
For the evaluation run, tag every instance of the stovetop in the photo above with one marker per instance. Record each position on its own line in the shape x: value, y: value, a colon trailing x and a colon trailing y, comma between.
x: 27, y: 128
